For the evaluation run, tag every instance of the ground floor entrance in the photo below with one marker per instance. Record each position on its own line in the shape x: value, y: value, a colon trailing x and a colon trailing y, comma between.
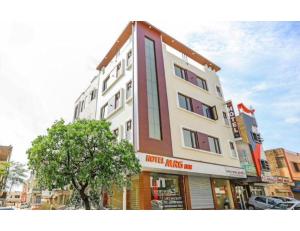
x: 165, y: 191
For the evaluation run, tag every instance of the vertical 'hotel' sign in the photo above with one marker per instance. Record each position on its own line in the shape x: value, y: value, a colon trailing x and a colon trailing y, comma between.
x: 234, y: 125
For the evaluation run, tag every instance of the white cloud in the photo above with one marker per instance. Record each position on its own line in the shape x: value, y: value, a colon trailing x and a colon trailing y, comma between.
x: 292, y: 120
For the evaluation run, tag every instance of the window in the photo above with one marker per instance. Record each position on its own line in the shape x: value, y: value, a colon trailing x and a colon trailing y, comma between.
x: 210, y: 112
x: 128, y: 125
x: 105, y: 84
x: 214, y: 145
x: 117, y: 100
x: 76, y: 112
x: 219, y: 92
x: 152, y: 91
x: 261, y: 199
x: 128, y: 90
x: 93, y: 94
x: 166, y: 192
x: 201, y: 83
x: 265, y: 165
x: 104, y: 111
x: 185, y: 102
x: 129, y: 58
x: 180, y: 72
x: 256, y: 137
x: 296, y: 167
x: 232, y: 149
x: 119, y: 69
x: 280, y: 162
x: 116, y: 132
x: 190, y: 138
x: 225, y: 118
x: 82, y: 106
x: 128, y: 130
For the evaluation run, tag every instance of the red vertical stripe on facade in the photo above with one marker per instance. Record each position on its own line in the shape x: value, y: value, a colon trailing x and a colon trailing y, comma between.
x: 257, y: 158
x: 146, y: 144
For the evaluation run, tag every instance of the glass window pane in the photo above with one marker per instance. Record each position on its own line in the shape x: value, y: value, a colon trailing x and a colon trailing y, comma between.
x: 152, y: 91
x: 187, y: 138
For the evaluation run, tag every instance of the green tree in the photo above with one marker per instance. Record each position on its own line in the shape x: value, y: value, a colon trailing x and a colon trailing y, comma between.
x: 3, y: 173
x: 16, y: 174
x: 84, y: 154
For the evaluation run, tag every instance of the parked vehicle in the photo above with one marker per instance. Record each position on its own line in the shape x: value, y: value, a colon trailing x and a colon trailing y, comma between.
x: 285, y: 199
x: 291, y: 205
x: 262, y: 202
x: 6, y: 208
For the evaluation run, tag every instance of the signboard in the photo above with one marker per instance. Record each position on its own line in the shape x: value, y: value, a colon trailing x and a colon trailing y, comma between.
x: 173, y: 165
x: 169, y: 162
x: 232, y: 118
x: 275, y: 179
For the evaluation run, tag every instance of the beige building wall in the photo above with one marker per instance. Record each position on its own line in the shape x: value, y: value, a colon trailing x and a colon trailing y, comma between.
x: 180, y: 118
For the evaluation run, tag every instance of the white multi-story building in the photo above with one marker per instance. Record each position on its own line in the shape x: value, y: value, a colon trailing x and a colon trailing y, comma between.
x: 167, y: 100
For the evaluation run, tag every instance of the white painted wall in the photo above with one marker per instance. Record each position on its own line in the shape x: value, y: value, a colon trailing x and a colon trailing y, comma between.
x: 125, y: 113
x: 181, y: 118
x: 89, y: 110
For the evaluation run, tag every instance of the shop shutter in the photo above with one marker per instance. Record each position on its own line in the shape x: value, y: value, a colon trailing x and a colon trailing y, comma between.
x: 201, y: 193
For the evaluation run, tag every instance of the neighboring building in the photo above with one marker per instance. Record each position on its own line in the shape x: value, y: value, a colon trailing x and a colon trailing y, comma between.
x: 285, y: 164
x: 167, y: 100
x: 86, y: 104
x: 5, y: 154
x: 252, y: 157
x: 13, y: 199
x: 43, y: 199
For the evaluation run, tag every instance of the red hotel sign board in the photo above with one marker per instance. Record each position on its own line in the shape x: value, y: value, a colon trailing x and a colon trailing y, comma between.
x: 234, y: 125
x: 178, y: 164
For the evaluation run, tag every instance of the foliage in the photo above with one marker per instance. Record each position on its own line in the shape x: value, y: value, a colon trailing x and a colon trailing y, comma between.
x: 16, y: 174
x: 84, y: 154
x: 3, y: 172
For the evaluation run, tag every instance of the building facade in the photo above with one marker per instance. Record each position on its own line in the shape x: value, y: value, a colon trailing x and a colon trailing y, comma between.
x: 167, y: 100
x: 5, y: 154
x: 285, y: 164
x: 252, y: 157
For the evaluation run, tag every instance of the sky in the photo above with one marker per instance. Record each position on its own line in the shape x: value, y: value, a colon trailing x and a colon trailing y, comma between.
x: 47, y: 59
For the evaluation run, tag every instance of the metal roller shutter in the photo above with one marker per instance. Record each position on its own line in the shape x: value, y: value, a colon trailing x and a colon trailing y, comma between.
x: 201, y: 193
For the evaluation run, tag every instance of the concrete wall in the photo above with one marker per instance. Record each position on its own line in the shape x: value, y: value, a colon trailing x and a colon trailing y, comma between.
x: 181, y: 118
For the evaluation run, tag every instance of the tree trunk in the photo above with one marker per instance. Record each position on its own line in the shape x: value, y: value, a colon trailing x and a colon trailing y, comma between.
x: 85, y: 200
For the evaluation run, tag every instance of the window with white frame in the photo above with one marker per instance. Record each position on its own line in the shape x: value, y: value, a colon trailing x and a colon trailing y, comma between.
x: 232, y: 149
x: 129, y: 90
x: 119, y: 69
x: 116, y: 132
x: 180, y: 72
x: 105, y: 83
x: 225, y: 118
x: 214, y: 144
x: 104, y: 111
x: 117, y: 100
x: 114, y: 103
x: 190, y: 138
x: 128, y: 130
x: 129, y: 59
x: 219, y: 91
x: 93, y: 94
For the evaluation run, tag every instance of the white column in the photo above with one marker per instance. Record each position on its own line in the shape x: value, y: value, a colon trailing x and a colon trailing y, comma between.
x: 124, y: 197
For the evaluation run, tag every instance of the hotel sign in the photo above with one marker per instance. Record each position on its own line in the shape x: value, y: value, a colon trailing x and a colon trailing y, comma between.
x: 234, y: 125
x: 158, y: 163
x: 176, y: 164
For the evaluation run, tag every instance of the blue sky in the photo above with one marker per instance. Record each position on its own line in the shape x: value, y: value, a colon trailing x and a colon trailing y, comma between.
x: 260, y: 67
